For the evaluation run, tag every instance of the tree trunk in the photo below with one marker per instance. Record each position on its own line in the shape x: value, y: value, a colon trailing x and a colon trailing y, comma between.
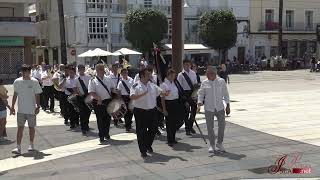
x: 62, y: 33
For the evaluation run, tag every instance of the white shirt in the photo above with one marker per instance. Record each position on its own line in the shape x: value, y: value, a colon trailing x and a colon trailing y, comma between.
x: 48, y: 81
x: 114, y: 78
x: 70, y: 83
x: 35, y: 73
x: 154, y: 78
x: 129, y: 82
x: 193, y: 77
x: 86, y: 78
x: 26, y: 91
x: 148, y: 101
x: 96, y: 87
x: 170, y: 86
x: 213, y: 93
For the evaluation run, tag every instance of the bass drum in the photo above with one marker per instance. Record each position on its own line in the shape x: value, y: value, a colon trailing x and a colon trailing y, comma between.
x: 117, y: 109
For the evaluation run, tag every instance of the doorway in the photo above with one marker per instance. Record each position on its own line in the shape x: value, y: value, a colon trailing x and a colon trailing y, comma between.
x: 241, y: 54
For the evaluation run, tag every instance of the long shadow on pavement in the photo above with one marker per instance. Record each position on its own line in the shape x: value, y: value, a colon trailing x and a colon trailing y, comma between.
x: 161, y: 159
x: 36, y: 155
x: 185, y: 147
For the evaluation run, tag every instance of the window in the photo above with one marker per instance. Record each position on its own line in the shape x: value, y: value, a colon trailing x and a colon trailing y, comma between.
x: 169, y: 29
x: 309, y: 20
x: 269, y: 15
x: 97, y: 5
x: 259, y: 51
x: 96, y: 28
x: 289, y: 19
x: 148, y: 3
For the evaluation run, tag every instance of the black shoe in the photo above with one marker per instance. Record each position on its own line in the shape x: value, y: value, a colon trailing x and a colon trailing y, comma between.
x: 52, y: 110
x: 170, y: 144
x: 175, y: 142
x: 193, y: 131
x: 72, y: 127
x: 107, y: 137
x: 66, y: 123
x: 120, y: 121
x: 84, y: 133
x: 188, y: 133
x: 144, y: 155
x: 128, y: 130
x: 102, y: 141
x: 150, y: 150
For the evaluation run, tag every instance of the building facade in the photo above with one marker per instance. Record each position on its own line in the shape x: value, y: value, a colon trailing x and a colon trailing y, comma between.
x: 86, y: 20
x: 17, y: 33
x: 300, y: 19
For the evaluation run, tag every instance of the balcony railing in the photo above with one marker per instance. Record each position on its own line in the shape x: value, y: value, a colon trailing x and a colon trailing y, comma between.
x: 15, y: 19
x: 297, y: 26
x: 123, y: 9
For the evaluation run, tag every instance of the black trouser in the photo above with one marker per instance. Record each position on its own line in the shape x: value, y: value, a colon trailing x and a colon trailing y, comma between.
x: 190, y: 112
x: 146, y: 127
x: 48, y: 92
x: 103, y: 118
x: 128, y: 116
x: 71, y: 114
x: 85, y: 113
x: 60, y: 96
x: 160, y: 115
x: 172, y: 119
x: 63, y: 106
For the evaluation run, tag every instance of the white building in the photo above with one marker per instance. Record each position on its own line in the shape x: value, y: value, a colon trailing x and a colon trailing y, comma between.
x: 16, y: 36
x: 85, y: 22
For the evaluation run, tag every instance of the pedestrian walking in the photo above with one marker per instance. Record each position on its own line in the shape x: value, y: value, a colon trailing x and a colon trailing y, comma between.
x: 27, y: 90
x: 212, y: 93
x: 3, y: 110
x: 313, y: 64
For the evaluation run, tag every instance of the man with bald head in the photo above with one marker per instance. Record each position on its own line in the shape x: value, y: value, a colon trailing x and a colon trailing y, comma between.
x: 212, y: 93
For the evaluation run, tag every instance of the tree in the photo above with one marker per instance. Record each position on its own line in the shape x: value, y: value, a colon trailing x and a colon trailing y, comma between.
x: 218, y: 29
x: 143, y: 27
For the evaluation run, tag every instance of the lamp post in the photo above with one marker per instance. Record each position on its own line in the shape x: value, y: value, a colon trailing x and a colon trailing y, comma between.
x: 177, y: 42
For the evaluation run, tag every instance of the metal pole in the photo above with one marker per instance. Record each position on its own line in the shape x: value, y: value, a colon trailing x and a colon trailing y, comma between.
x: 280, y: 27
x: 109, y: 26
x: 62, y: 33
x: 177, y: 43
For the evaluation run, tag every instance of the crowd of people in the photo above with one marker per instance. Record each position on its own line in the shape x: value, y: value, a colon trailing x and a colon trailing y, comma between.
x: 155, y: 103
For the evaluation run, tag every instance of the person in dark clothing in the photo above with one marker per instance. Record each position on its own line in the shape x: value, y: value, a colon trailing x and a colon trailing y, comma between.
x: 313, y: 64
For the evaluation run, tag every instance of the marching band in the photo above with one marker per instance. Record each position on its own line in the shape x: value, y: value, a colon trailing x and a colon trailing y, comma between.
x: 152, y: 102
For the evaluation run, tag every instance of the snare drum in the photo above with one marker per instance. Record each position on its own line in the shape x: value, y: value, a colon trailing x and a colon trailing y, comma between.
x: 74, y: 101
x: 89, y: 101
x: 117, y: 108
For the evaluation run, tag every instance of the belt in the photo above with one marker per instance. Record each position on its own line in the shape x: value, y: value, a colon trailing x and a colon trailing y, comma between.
x: 139, y: 109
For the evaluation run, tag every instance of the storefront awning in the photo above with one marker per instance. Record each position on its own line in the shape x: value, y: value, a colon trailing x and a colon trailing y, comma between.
x: 190, y: 49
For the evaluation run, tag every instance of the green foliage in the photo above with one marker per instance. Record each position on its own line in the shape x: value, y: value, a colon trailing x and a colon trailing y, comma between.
x: 218, y: 29
x: 143, y: 27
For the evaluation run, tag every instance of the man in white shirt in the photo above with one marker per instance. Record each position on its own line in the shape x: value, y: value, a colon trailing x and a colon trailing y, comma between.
x: 59, y: 92
x: 188, y: 80
x: 27, y: 90
x: 124, y: 87
x: 144, y: 95
x: 100, y: 88
x: 212, y: 93
x: 82, y: 89
x: 48, y: 89
x: 69, y: 85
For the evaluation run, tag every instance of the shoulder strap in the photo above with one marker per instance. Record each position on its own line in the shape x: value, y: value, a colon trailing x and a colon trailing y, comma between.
x: 179, y: 87
x: 125, y: 86
x: 84, y: 88
x: 104, y: 86
x: 187, y: 78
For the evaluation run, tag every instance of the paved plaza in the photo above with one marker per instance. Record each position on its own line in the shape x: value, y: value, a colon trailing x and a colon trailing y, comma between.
x: 273, y: 115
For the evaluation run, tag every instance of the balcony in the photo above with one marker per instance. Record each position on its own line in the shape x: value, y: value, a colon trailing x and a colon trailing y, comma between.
x: 17, y: 26
x: 295, y: 27
x: 123, y: 9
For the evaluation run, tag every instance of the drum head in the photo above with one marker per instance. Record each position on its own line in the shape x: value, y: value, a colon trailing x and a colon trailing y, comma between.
x: 115, y: 105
